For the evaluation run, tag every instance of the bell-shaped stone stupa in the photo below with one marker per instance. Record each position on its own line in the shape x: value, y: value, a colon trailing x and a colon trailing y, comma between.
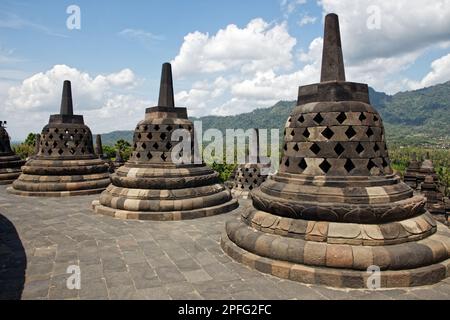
x: 65, y: 164
x: 335, y: 213
x: 151, y: 186
x: 250, y: 175
x: 10, y: 163
x: 412, y: 172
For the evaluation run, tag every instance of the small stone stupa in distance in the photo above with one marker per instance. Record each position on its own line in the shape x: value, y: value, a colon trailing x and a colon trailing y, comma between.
x: 150, y: 185
x: 250, y: 175
x: 335, y: 214
x: 10, y: 163
x: 65, y: 164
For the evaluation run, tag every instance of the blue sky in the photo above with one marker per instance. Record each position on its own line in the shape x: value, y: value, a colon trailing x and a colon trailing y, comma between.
x: 228, y: 56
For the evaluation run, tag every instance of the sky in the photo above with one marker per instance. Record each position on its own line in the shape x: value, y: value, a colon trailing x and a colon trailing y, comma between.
x: 228, y: 57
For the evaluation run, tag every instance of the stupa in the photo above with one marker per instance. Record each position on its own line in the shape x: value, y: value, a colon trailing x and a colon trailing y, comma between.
x: 335, y: 213
x: 412, y: 172
x: 435, y: 199
x: 151, y: 186
x: 250, y: 175
x: 426, y: 169
x: 65, y: 164
x: 10, y: 163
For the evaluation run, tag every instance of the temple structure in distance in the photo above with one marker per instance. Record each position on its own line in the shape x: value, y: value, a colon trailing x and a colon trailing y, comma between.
x: 10, y: 163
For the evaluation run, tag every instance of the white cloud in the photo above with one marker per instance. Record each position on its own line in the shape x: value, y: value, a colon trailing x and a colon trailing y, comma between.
x: 440, y: 71
x: 258, y: 46
x: 306, y: 19
x: 289, y: 6
x: 101, y: 99
x: 144, y: 37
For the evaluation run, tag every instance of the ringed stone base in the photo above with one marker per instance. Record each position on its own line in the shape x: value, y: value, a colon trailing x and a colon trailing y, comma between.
x: 165, y: 216
x: 55, y: 194
x: 414, y: 253
x: 335, y: 277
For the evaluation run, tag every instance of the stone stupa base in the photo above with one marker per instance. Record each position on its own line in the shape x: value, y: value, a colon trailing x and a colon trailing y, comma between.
x: 167, y: 215
x: 9, y: 176
x: 412, y: 252
x: 61, y: 178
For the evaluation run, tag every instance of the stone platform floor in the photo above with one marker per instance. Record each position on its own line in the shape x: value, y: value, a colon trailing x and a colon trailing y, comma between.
x: 41, y: 237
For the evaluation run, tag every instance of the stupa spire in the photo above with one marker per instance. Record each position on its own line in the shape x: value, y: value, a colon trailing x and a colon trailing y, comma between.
x: 166, y: 88
x: 66, y: 100
x: 332, y: 58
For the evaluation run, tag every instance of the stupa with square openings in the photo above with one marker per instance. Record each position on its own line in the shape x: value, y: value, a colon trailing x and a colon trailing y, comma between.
x: 10, y: 163
x: 65, y: 163
x: 335, y: 209
x: 151, y: 185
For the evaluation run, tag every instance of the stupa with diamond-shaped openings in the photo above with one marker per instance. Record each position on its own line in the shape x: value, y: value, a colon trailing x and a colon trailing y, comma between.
x: 10, y: 162
x: 150, y: 185
x: 335, y: 210
x: 65, y: 163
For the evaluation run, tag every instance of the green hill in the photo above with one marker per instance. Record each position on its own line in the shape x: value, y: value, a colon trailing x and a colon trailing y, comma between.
x: 419, y: 117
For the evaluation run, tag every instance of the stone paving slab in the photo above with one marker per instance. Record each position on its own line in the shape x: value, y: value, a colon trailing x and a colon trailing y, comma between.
x: 124, y: 259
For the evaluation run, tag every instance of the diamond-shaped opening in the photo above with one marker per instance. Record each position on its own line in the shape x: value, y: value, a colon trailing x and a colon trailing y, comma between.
x: 369, y: 132
x: 289, y: 119
x: 325, y: 166
x: 385, y: 163
x: 145, y: 127
x: 285, y: 147
x: 149, y: 136
x: 341, y: 117
x: 149, y: 155
x: 138, y: 155
x: 163, y: 157
x: 286, y: 163
x: 60, y: 151
x: 139, y: 136
x: 250, y: 187
x: 61, y: 136
x: 83, y: 150
x: 46, y: 143
x: 156, y: 127
x: 56, y: 130
x: 306, y: 133
x: 169, y: 128
x: 349, y: 166
x: 359, y: 148
x: 168, y: 145
x: 315, y: 148
x: 135, y: 146
x: 328, y: 133
x: 50, y: 151
x: 155, y: 146
x: 50, y: 136
x: 339, y: 149
x: 55, y: 144
x: 250, y: 175
x: 362, y: 117
x: 318, y: 118
x: 144, y: 146
x: 76, y: 131
x: 375, y: 118
x: 296, y: 148
x: 350, y: 132
x: 376, y: 147
x: 301, y: 119
x: 246, y: 169
x: 163, y: 136
x: 189, y: 128
x: 371, y: 165
x: 292, y: 132
x: 302, y: 164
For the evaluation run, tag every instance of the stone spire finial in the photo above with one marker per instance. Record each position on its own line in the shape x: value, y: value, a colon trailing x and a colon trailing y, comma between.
x: 166, y: 88
x: 66, y: 101
x: 332, y: 58
x: 99, y: 146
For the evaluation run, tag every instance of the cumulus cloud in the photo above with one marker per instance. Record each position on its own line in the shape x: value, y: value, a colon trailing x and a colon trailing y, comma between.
x: 306, y: 19
x: 258, y: 46
x: 440, y: 71
x: 101, y: 98
x: 289, y: 6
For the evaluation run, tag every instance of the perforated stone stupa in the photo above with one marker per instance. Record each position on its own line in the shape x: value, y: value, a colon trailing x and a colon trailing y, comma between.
x: 10, y: 163
x: 65, y: 164
x: 335, y: 209
x: 250, y: 175
x: 150, y: 186
x: 412, y: 172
